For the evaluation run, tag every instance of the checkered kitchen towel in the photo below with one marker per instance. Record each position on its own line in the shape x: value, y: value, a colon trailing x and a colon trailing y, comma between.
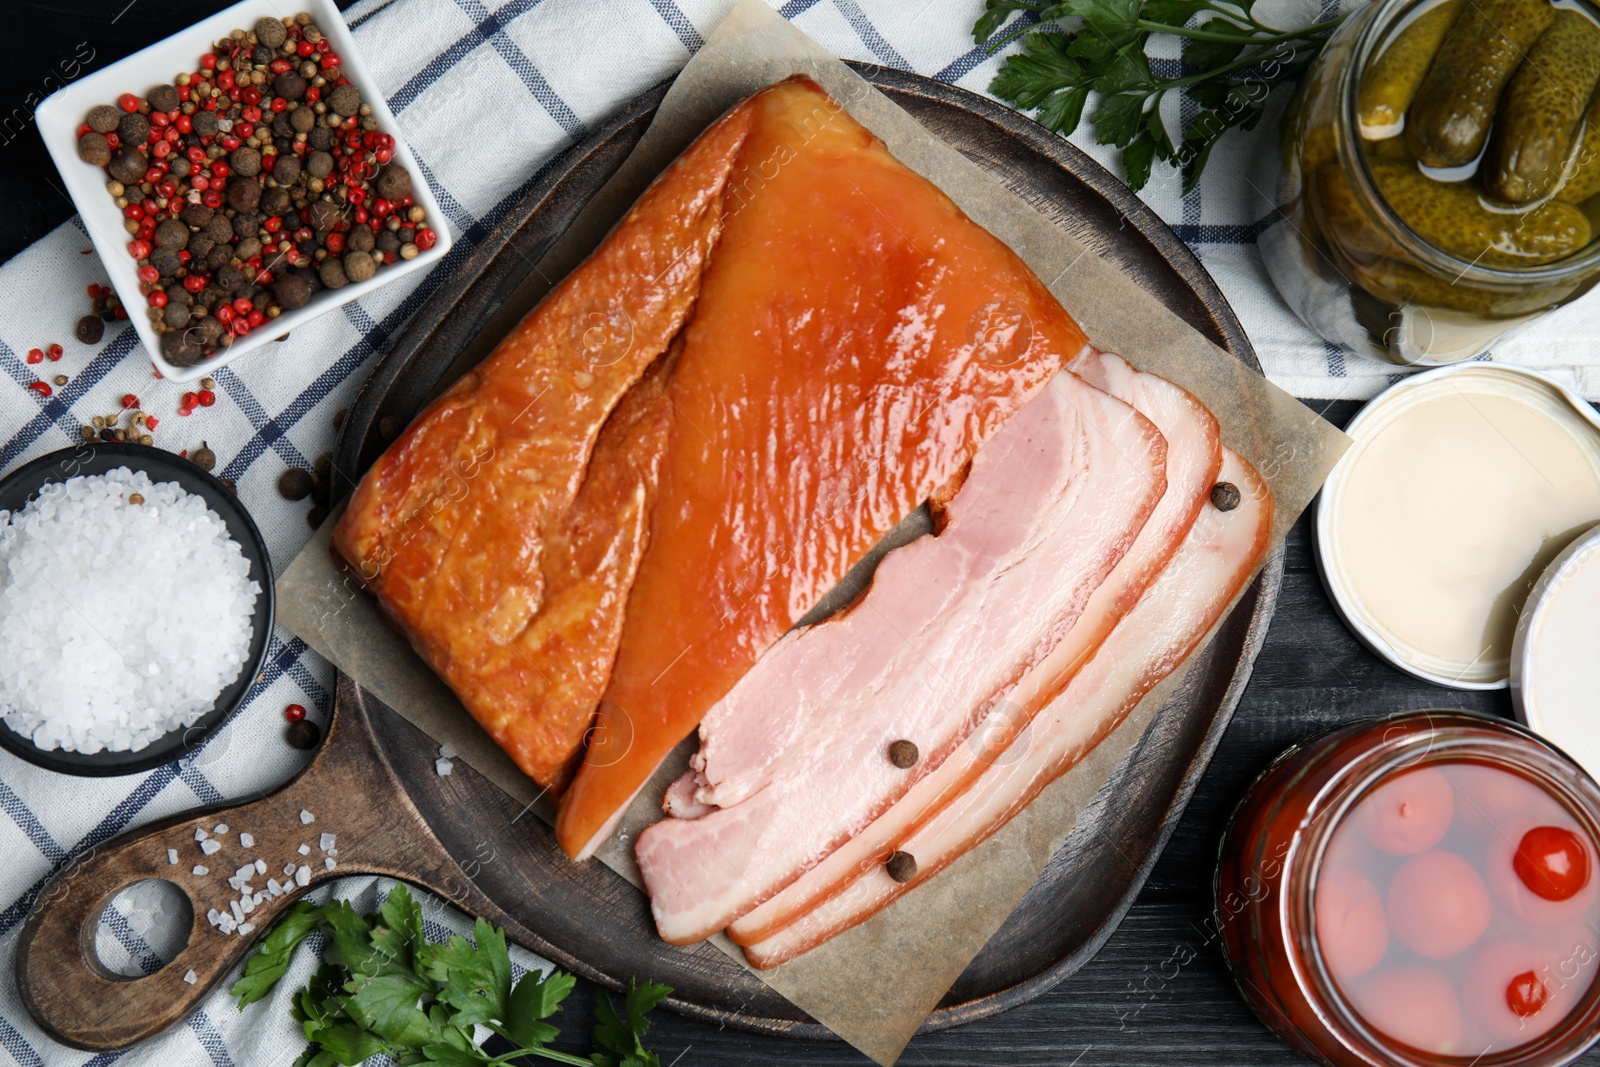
x: 487, y: 93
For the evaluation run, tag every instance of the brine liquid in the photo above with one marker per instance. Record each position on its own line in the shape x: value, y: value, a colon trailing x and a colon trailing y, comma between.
x: 1428, y: 918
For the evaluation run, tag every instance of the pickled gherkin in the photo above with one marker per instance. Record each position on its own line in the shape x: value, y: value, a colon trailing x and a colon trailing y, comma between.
x: 1392, y: 82
x: 1450, y: 118
x: 1538, y: 118
x: 1584, y: 179
x: 1454, y: 217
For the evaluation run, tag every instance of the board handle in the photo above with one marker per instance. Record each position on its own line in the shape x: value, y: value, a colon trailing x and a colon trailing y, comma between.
x: 348, y: 789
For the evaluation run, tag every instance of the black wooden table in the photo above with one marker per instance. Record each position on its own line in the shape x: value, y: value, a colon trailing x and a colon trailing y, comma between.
x: 1158, y: 992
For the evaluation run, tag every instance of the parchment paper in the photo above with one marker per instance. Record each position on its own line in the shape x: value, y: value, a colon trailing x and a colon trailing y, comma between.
x: 874, y: 985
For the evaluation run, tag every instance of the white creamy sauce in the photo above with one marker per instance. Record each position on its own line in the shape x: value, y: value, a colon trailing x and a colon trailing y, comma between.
x: 1451, y: 506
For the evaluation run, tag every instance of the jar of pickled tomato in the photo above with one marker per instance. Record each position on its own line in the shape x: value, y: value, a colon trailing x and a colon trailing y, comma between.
x: 1438, y: 175
x: 1417, y: 891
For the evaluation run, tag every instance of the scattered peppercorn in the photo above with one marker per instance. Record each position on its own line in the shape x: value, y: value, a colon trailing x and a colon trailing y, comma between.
x: 204, y: 458
x: 61, y: 379
x: 316, y: 516
x: 294, y: 712
x: 903, y: 754
x: 294, y: 484
x: 901, y: 866
x: 136, y: 498
x: 304, y: 734
x: 1225, y: 496
x: 90, y: 329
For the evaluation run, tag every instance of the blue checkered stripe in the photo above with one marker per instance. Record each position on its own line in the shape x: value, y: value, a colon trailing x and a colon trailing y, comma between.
x: 488, y: 95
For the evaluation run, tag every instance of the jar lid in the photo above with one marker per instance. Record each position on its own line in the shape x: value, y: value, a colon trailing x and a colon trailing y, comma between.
x: 1555, y: 654
x: 1461, y: 485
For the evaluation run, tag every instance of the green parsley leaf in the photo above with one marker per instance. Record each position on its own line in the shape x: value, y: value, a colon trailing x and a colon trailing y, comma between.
x: 385, y: 989
x: 270, y: 961
x: 618, y: 1041
x: 535, y: 999
x: 1231, y: 61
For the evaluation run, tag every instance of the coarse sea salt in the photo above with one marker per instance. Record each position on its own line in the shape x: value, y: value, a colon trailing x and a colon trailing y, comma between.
x: 78, y: 554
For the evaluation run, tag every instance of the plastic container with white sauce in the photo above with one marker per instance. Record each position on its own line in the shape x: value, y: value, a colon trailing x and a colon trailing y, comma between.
x: 1555, y: 655
x: 1463, y: 485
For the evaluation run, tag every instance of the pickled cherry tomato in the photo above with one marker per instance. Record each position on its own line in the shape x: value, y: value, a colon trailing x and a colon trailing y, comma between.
x: 1527, y: 994
x: 1410, y: 813
x: 1417, y: 1006
x: 1352, y: 930
x: 1438, y: 905
x: 1552, y: 862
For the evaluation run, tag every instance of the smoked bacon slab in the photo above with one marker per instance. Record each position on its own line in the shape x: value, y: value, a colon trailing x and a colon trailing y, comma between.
x: 855, y: 339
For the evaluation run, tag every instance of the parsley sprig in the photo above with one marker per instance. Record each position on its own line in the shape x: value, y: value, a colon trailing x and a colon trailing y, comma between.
x: 1231, y: 61
x: 385, y: 988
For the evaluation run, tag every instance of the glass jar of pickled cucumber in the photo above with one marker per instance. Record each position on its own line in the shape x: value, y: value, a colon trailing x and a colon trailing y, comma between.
x: 1439, y: 174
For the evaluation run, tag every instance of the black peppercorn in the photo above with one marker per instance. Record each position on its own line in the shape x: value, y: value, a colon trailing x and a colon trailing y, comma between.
x: 301, y: 119
x: 319, y: 165
x: 319, y: 138
x: 394, y: 182
x: 166, y: 259
x: 359, y: 239
x: 1225, y: 496
x: 176, y: 316
x: 219, y: 255
x: 90, y: 329
x: 903, y: 754
x: 103, y: 118
x: 205, y: 123
x: 177, y: 294
x: 245, y: 161
x: 901, y: 866
x: 94, y: 149
x: 331, y: 271
x: 219, y: 229
x: 203, y: 457
x: 289, y: 85
x: 229, y: 278
x: 200, y: 245
x: 128, y: 165
x: 304, y: 734
x: 196, y: 215
x: 244, y: 194
x: 274, y: 201
x: 164, y: 98
x: 172, y: 233
x: 293, y: 291
x: 180, y: 348
x: 134, y: 129
x: 260, y: 56
x: 345, y: 100
x: 316, y: 517
x: 294, y: 484
x: 246, y: 224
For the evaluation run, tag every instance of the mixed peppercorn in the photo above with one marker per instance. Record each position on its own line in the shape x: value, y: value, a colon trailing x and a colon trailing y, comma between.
x: 251, y: 184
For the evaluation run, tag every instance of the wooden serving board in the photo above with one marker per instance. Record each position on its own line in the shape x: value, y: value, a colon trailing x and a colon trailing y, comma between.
x: 373, y: 783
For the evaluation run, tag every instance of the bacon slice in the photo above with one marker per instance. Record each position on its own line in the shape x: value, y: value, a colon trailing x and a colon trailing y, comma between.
x: 1170, y: 620
x: 1194, y: 455
x: 452, y: 526
x: 794, y: 758
x: 855, y: 339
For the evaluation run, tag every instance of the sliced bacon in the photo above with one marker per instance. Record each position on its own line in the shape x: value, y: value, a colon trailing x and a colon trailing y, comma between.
x: 794, y: 757
x: 1194, y: 455
x: 1169, y: 622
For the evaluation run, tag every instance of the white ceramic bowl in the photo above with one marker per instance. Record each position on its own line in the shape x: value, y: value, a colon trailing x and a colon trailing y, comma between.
x: 60, y: 116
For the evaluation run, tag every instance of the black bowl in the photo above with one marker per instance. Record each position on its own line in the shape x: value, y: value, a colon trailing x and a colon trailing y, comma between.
x: 95, y: 457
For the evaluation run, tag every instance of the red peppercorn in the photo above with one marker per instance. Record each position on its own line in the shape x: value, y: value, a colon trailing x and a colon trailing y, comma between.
x: 185, y: 413
x: 212, y: 199
x: 190, y: 400
x: 138, y: 249
x: 183, y: 93
x: 157, y: 298
x: 243, y: 130
x: 129, y: 401
x: 274, y: 223
x: 55, y: 352
x: 121, y: 312
x: 207, y: 398
x: 185, y: 124
x: 113, y: 140
x: 294, y: 713
x: 159, y: 119
x: 199, y: 183
x: 149, y: 275
x: 195, y: 282
x: 83, y: 128
x: 150, y: 421
x: 383, y: 155
x: 128, y: 102
x: 255, y: 318
x: 219, y: 169
x: 304, y: 49
x: 208, y: 61
x: 279, y: 104
x: 35, y: 355
x: 264, y: 278
x: 239, y: 326
x: 42, y: 388
x: 224, y: 313
x: 161, y: 149
x: 241, y: 305
x: 225, y: 80
x: 334, y: 243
